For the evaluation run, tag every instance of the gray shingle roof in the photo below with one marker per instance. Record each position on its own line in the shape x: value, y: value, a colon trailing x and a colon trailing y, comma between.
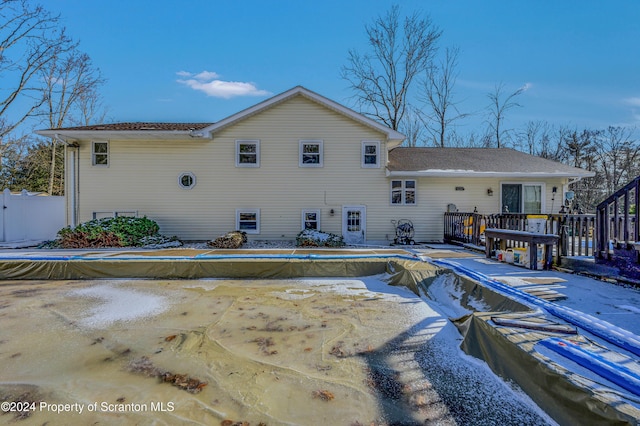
x: 475, y: 161
x: 141, y: 126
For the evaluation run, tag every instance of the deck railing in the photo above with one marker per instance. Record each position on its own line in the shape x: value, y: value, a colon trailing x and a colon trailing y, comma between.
x: 618, y: 220
x: 576, y: 231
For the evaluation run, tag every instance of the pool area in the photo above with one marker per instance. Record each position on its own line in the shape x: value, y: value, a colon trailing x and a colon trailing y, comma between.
x: 275, y: 337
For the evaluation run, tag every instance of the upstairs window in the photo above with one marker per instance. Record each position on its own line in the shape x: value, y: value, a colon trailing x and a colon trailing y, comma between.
x: 370, y: 154
x: 403, y: 192
x: 100, y: 153
x: 248, y: 153
x: 311, y: 154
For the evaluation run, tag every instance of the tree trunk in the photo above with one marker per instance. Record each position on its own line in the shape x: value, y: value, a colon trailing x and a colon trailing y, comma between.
x: 52, y: 171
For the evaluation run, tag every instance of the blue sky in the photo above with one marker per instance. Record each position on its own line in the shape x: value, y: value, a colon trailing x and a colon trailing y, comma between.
x: 200, y: 61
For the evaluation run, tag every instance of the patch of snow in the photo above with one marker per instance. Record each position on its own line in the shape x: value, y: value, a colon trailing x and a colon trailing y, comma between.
x: 448, y: 294
x: 113, y: 304
x: 629, y: 308
x: 316, y: 235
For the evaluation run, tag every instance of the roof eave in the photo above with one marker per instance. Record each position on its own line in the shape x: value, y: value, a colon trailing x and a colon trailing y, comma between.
x: 126, y: 134
x: 477, y: 174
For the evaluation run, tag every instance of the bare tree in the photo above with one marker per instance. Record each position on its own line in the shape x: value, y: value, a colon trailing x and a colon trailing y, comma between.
x: 550, y: 145
x: 438, y: 94
x: 413, y: 128
x: 580, y: 147
x: 534, y: 135
x: 90, y: 109
x: 578, y: 150
x: 618, y: 155
x: 30, y: 38
x: 499, y: 105
x: 382, y: 78
x: 69, y: 81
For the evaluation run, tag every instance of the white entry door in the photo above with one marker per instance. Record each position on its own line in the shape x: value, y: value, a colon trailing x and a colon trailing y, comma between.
x: 354, y: 224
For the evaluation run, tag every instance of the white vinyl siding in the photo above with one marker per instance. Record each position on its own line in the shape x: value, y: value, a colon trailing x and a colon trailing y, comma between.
x: 279, y: 187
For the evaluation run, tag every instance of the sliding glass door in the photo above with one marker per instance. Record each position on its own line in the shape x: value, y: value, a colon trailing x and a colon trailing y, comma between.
x: 522, y: 198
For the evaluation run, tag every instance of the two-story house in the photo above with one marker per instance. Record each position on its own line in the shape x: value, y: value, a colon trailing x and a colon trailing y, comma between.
x: 297, y: 160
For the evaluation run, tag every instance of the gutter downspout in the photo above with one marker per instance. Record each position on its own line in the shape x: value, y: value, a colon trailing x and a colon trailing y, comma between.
x: 71, y: 182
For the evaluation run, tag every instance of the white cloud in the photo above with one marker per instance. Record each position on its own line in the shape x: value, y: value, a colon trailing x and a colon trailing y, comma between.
x: 206, y: 75
x: 633, y: 101
x: 209, y: 83
x: 526, y: 86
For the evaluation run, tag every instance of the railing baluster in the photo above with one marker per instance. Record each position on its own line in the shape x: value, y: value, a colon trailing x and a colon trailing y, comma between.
x: 578, y: 234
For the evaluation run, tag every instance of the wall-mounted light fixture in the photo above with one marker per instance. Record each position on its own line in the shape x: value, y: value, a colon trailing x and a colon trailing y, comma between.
x: 332, y: 212
x: 459, y: 188
x: 490, y: 192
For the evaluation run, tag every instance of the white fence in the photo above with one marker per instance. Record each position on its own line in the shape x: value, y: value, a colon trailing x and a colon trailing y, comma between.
x: 28, y: 217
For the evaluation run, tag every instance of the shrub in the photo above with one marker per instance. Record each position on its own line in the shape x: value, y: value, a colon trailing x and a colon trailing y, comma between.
x: 230, y: 240
x: 313, y: 238
x: 121, y: 231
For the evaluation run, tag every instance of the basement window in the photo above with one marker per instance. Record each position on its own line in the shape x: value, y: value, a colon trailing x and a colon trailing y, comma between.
x: 311, y: 219
x: 248, y: 220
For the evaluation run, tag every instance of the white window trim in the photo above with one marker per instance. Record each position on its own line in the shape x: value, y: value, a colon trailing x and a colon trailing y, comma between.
x: 403, y: 197
x: 246, y: 142
x: 370, y: 166
x: 304, y: 142
x: 304, y: 213
x: 252, y: 211
x: 543, y: 194
x: 193, y: 178
x: 93, y: 154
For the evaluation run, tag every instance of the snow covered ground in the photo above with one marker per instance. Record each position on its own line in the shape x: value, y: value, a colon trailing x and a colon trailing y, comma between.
x: 616, y: 304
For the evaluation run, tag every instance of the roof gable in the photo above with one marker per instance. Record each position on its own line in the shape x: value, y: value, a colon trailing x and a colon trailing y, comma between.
x: 392, y: 135
x: 474, y: 162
